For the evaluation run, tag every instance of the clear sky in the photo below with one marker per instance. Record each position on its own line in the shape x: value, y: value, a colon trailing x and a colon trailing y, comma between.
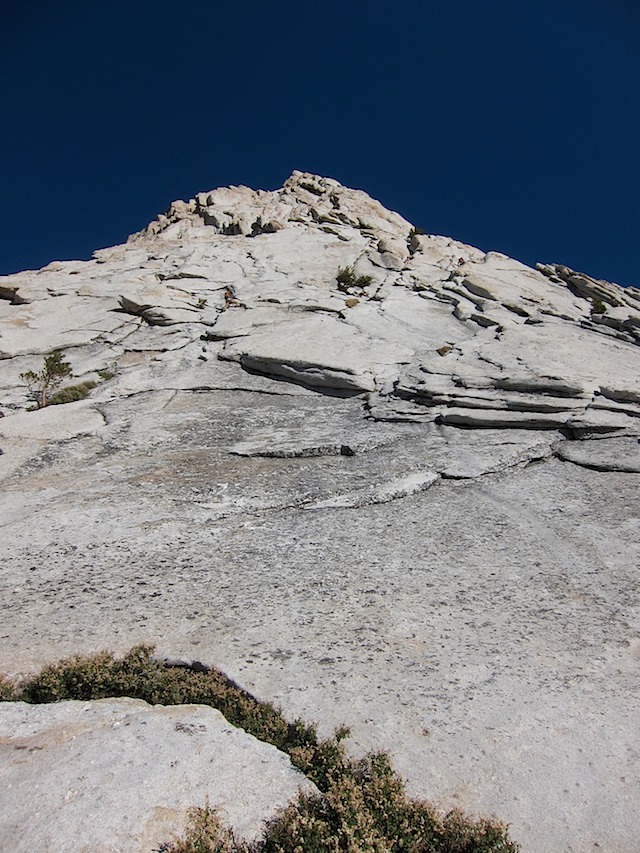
x: 508, y: 124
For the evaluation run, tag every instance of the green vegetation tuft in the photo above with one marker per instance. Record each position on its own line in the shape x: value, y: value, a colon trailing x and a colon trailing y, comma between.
x: 105, y: 374
x: 72, y: 393
x: 598, y: 306
x: 347, y: 279
x: 362, y: 806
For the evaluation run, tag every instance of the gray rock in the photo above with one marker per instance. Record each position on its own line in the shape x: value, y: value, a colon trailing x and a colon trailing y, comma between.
x: 120, y: 775
x: 364, y: 513
x: 492, y: 418
x: 610, y: 454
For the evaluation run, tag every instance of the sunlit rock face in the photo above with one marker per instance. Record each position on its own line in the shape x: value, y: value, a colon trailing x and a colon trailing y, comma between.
x: 309, y: 459
x: 120, y: 775
x: 431, y: 330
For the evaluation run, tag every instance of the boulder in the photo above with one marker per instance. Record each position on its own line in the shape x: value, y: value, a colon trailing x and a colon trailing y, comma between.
x: 120, y: 775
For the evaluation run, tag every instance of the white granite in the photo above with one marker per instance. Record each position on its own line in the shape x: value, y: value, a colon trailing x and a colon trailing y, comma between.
x: 411, y: 508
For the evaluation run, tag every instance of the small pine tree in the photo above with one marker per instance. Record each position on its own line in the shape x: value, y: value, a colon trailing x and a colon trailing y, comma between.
x: 47, y: 380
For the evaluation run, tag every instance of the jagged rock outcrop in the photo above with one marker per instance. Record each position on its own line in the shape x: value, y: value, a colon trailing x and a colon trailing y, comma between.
x: 405, y: 501
x: 440, y: 332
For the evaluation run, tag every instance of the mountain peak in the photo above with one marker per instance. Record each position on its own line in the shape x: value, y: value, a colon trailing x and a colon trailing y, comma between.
x: 301, y: 427
x: 341, y: 295
x: 304, y: 198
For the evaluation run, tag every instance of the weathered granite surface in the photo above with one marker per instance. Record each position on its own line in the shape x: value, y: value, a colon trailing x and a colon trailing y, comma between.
x: 410, y: 506
x: 118, y: 774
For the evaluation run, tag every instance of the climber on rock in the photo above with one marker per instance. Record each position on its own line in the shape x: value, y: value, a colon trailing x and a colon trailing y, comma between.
x: 231, y: 300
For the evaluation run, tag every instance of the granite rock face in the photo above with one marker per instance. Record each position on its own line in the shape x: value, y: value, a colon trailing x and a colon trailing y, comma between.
x: 118, y: 774
x: 405, y: 500
x: 439, y: 333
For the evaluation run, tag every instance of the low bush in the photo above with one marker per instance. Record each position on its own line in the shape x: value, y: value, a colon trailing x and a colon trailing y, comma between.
x: 366, y: 809
x: 138, y: 675
x: 72, y: 393
x: 348, y: 279
x: 362, y: 806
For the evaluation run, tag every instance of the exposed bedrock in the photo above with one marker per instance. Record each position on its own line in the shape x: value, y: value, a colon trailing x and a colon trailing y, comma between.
x: 611, y: 454
x: 118, y: 774
x: 380, y: 477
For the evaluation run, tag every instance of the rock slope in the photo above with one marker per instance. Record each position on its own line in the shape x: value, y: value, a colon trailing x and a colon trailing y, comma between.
x: 438, y: 333
x: 309, y: 459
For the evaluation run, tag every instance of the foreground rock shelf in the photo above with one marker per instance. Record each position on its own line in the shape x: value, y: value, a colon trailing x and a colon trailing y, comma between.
x: 118, y: 774
x: 408, y: 505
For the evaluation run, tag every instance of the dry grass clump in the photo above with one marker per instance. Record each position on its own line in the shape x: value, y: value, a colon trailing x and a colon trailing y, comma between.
x: 364, y: 809
x: 362, y: 806
x: 8, y: 691
x: 206, y: 834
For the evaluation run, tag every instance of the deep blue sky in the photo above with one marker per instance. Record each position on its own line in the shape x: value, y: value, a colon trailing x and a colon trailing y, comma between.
x: 510, y: 125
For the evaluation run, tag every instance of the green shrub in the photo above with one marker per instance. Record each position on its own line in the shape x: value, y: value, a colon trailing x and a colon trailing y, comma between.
x: 347, y: 279
x: 71, y: 393
x: 105, y: 374
x: 598, y: 306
